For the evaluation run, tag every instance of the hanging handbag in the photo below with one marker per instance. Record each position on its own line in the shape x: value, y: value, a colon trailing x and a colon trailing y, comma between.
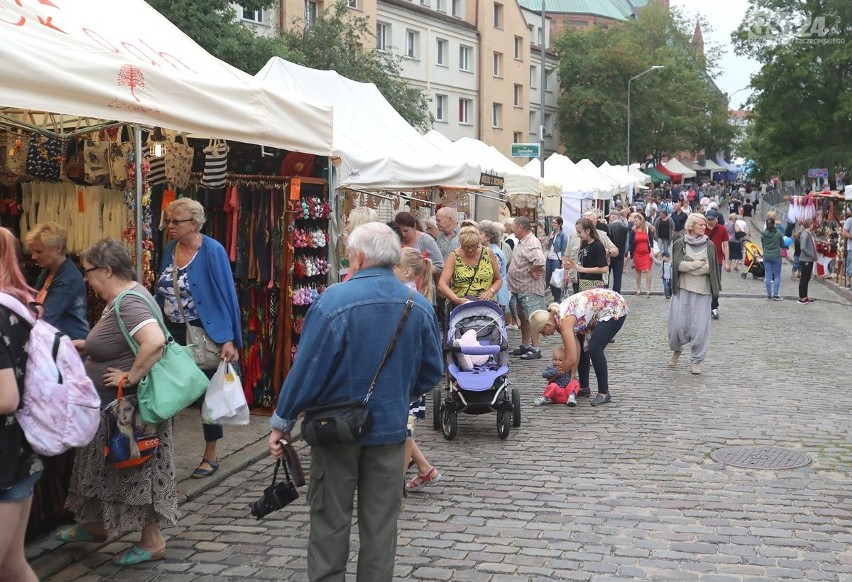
x: 179, y: 162
x: 130, y: 442
x: 95, y: 162
x: 44, y: 158
x: 206, y: 352
x: 174, y: 382
x: 215, y: 164
x: 17, y: 147
x: 348, y: 421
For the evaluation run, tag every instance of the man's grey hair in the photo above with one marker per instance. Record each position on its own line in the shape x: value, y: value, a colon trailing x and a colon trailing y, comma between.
x: 379, y: 244
x: 523, y: 222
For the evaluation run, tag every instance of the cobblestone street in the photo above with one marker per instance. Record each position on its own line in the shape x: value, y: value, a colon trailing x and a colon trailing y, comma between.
x: 622, y: 491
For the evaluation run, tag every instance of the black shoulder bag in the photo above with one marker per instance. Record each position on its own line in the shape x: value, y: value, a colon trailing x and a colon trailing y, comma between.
x: 347, y: 421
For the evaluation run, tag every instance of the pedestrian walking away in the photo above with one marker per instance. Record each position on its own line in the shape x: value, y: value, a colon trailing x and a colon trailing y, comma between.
x: 338, y: 358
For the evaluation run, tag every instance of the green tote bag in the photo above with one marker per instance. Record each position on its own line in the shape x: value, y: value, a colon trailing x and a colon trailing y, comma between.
x: 174, y: 382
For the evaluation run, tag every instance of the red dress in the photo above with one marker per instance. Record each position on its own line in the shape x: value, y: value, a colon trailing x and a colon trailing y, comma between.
x: 641, y: 253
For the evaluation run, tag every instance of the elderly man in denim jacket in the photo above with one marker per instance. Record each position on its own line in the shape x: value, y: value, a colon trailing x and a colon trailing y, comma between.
x: 345, y: 336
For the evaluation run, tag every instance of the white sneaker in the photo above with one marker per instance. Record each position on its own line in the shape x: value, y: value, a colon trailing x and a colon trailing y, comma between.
x: 541, y: 401
x: 512, y: 326
x: 572, y: 400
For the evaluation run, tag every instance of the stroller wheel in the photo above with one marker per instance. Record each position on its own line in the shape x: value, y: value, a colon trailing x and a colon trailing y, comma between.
x: 449, y: 423
x: 504, y: 420
x: 437, y: 397
x: 516, y: 407
x: 744, y: 275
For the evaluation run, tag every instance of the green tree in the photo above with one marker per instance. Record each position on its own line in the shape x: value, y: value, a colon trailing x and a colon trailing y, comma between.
x: 214, y: 25
x: 672, y: 109
x: 335, y: 41
x: 802, y: 100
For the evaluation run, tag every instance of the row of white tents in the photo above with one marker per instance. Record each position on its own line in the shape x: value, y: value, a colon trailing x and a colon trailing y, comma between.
x: 67, y: 68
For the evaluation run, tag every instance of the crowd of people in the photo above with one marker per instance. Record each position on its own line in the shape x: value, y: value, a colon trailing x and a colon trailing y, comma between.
x: 401, y: 271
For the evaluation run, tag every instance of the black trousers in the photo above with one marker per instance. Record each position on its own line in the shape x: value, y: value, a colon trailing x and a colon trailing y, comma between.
x: 806, y: 270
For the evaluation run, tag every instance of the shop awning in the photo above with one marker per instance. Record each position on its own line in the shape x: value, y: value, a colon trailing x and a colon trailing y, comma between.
x: 675, y: 165
x: 656, y: 177
x: 108, y: 60
x: 378, y: 149
x: 674, y: 177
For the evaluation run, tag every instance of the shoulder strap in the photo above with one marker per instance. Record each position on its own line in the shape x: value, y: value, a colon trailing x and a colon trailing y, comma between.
x: 409, y: 303
x: 19, y: 308
x: 116, y: 304
x: 175, y: 284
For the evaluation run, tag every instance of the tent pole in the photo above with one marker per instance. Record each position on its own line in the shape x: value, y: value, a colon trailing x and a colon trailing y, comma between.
x: 333, y: 226
x: 138, y: 161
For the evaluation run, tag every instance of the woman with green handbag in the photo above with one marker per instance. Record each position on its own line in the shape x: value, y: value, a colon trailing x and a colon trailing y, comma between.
x: 108, y: 501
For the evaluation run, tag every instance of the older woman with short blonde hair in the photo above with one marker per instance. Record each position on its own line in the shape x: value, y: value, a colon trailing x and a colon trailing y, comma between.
x: 471, y: 272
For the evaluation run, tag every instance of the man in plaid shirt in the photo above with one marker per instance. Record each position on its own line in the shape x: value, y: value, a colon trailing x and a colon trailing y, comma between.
x: 527, y: 284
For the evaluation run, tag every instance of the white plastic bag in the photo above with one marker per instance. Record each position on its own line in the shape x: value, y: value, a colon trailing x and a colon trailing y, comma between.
x: 557, y: 279
x: 225, y: 402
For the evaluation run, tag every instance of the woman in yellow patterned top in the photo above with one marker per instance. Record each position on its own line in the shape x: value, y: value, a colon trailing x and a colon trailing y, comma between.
x: 471, y: 272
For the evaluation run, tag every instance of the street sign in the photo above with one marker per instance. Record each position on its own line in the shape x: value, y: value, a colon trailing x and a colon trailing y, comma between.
x: 525, y: 150
x: 818, y: 173
x: 486, y: 179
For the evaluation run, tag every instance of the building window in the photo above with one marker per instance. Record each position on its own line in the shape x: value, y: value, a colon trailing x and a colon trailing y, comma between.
x: 539, y: 36
x: 519, y: 48
x: 497, y: 115
x: 517, y: 95
x: 311, y: 12
x: 440, y: 107
x: 465, y: 106
x: 547, y: 80
x: 533, y: 77
x: 441, y: 5
x: 533, y: 123
x: 412, y: 42
x: 441, y: 52
x: 252, y: 15
x: 517, y: 137
x: 457, y: 7
x: 465, y: 57
x: 498, y: 15
x: 497, y: 67
x: 548, y: 124
x: 352, y: 3
x: 382, y: 36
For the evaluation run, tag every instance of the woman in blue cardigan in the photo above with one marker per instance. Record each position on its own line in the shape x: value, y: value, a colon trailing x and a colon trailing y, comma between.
x: 208, y: 298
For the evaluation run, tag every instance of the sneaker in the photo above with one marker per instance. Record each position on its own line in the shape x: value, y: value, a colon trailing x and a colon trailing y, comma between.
x: 584, y: 392
x: 777, y: 298
x: 532, y: 354
x: 572, y: 400
x: 674, y: 359
x: 600, y: 399
x: 769, y: 297
x: 803, y: 301
x: 542, y: 400
x: 512, y: 326
x: 810, y: 299
x: 520, y: 350
x: 714, y: 313
x: 696, y: 369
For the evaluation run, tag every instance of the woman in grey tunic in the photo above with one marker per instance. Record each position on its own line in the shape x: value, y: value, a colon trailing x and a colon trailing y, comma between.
x: 143, y: 498
x: 694, y: 283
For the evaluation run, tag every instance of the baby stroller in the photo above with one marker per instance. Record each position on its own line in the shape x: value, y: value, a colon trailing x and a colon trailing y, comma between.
x: 477, y: 367
x: 753, y: 261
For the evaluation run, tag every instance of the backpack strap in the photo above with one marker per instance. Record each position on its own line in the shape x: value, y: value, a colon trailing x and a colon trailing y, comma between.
x: 134, y: 345
x: 12, y: 303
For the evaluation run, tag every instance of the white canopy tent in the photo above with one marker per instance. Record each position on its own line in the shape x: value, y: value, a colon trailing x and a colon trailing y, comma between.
x: 515, y: 180
x: 642, y: 176
x: 674, y: 165
x: 123, y: 61
x: 626, y: 180
x: 576, y: 184
x: 551, y: 190
x: 708, y: 166
x: 615, y: 185
x: 378, y: 149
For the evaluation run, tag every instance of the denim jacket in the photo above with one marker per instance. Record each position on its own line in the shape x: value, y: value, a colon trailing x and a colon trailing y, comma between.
x: 345, y: 335
x: 66, y: 302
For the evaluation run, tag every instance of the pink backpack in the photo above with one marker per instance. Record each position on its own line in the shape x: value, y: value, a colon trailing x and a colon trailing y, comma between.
x: 60, y: 408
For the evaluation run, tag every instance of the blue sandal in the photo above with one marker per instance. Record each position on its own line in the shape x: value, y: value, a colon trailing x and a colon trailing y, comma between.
x: 78, y: 533
x: 200, y: 473
x: 137, y: 555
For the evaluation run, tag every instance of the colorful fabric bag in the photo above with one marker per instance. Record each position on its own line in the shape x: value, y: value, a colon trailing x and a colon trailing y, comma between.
x: 44, y: 158
x: 96, y: 162
x: 179, y: 162
x: 130, y: 442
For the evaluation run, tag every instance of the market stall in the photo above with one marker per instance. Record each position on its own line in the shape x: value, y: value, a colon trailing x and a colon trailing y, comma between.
x: 826, y: 208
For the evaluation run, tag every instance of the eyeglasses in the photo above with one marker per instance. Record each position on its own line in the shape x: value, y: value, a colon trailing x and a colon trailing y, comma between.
x: 176, y: 221
x: 89, y: 270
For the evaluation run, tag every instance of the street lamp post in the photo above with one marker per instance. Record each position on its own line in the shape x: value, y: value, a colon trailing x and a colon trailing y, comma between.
x: 628, y: 107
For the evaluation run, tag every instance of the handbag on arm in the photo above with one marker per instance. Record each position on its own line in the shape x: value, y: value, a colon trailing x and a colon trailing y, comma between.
x: 350, y: 420
x: 174, y: 382
x: 207, y: 353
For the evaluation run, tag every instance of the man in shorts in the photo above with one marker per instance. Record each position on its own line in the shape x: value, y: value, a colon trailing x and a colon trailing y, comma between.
x: 527, y: 284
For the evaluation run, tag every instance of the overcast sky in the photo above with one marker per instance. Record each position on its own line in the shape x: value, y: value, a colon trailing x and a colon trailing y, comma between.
x: 725, y: 16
